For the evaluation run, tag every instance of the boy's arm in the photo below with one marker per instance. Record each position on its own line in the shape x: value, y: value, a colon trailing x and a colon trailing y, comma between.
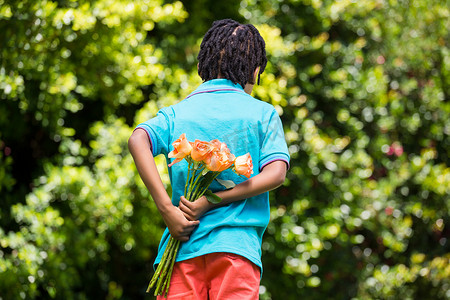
x: 179, y: 227
x: 271, y: 177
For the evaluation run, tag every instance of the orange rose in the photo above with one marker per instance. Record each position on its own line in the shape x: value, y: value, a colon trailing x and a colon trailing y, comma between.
x: 220, y: 160
x: 243, y: 165
x: 182, y: 149
x: 216, y: 143
x: 219, y: 145
x: 201, y: 150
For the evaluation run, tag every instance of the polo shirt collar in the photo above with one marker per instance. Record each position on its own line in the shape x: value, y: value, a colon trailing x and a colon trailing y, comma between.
x: 218, y: 84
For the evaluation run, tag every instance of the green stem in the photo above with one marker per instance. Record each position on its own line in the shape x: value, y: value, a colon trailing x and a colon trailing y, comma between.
x: 166, y: 285
x: 187, y: 178
x: 194, y: 169
x: 194, y: 185
x: 160, y: 265
x: 167, y: 263
x: 206, y: 186
x: 192, y: 197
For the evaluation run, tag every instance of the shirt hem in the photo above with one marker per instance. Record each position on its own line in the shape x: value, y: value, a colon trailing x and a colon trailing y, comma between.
x: 251, y: 258
x: 272, y: 158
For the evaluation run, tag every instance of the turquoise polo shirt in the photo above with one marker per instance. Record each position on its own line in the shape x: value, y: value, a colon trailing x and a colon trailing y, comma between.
x: 219, y: 109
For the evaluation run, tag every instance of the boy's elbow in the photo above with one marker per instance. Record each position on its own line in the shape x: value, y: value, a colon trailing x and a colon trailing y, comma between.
x: 280, y: 178
x: 279, y: 175
x: 276, y: 172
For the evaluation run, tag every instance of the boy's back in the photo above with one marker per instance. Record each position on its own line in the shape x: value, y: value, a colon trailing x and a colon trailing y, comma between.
x: 220, y: 257
x: 221, y: 110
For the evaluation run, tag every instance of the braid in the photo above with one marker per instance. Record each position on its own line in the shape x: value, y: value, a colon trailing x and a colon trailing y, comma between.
x: 233, y: 51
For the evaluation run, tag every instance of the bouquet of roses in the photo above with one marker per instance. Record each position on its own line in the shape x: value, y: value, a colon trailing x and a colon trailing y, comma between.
x: 206, y: 160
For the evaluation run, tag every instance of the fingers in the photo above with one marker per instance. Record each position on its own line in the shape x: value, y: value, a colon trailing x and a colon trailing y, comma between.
x: 188, y: 227
x: 186, y: 202
x: 188, y: 217
x: 181, y: 235
x: 179, y: 222
x: 185, y: 232
x: 181, y: 238
x: 194, y: 223
x: 186, y: 211
x: 182, y: 204
x: 186, y: 207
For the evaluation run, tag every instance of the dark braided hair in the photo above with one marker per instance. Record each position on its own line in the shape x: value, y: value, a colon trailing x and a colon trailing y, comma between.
x: 233, y: 51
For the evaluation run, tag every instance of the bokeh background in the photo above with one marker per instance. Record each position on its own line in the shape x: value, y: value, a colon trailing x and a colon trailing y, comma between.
x: 362, y: 88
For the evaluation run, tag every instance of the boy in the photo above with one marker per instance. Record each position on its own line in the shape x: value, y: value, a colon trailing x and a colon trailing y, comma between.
x: 220, y: 257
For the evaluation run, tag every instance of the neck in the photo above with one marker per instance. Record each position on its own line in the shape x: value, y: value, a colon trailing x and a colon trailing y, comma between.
x: 248, y: 88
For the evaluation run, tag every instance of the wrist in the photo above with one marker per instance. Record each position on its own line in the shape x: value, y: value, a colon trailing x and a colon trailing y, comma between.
x: 165, y: 207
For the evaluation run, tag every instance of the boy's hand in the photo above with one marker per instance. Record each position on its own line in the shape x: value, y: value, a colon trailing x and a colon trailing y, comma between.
x: 180, y: 228
x: 140, y: 147
x: 194, y: 210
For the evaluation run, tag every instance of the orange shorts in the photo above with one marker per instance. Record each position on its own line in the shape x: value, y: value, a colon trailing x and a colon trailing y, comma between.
x: 214, y: 276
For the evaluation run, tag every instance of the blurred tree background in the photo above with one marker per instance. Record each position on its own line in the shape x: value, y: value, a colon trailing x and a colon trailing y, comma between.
x: 362, y: 88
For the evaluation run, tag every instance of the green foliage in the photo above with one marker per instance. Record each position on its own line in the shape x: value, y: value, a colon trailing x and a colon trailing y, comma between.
x: 82, y: 225
x: 367, y: 127
x: 361, y: 87
x: 68, y: 70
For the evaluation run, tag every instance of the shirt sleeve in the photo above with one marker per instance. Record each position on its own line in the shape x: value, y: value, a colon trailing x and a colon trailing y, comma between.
x: 158, y: 131
x: 273, y: 146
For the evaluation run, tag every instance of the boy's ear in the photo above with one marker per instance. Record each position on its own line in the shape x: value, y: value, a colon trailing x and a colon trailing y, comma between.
x: 255, y: 74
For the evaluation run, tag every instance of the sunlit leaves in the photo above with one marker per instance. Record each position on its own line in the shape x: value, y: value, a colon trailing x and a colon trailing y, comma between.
x: 361, y: 87
x: 89, y: 49
x: 363, y: 128
x: 90, y: 205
